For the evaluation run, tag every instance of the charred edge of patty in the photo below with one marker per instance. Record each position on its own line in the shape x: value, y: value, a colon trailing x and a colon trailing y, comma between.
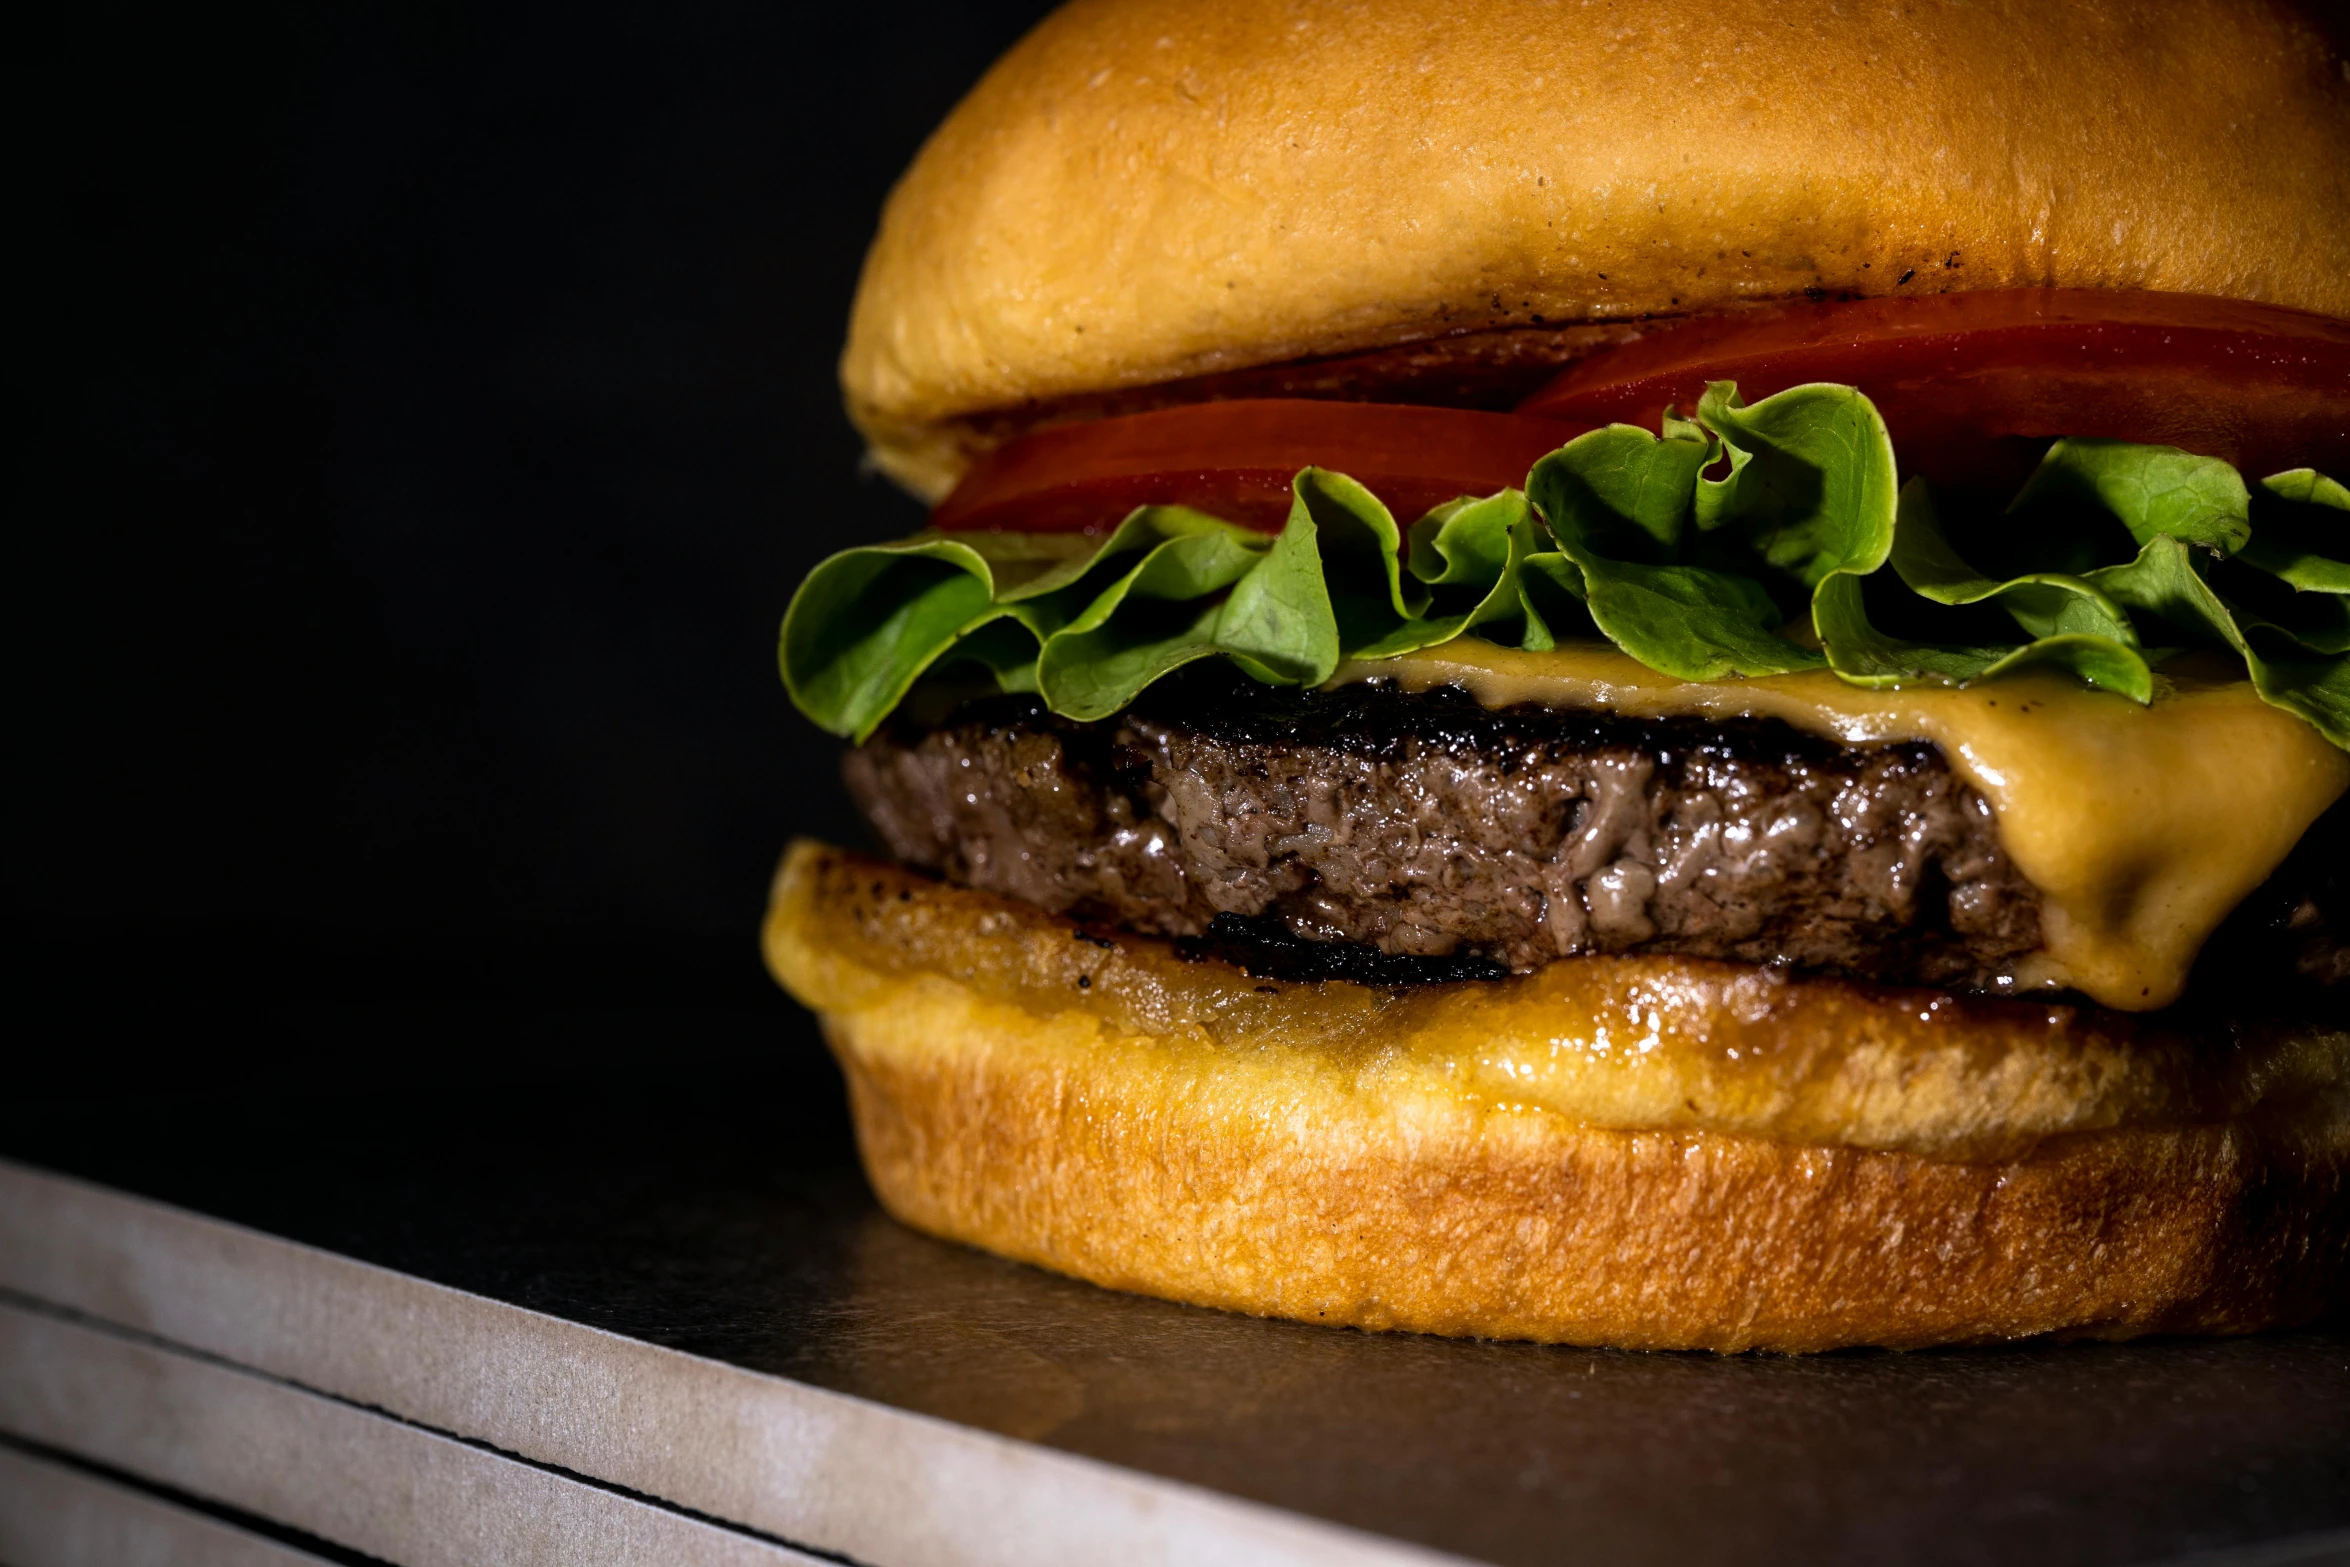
x: 2288, y: 944
x: 1263, y: 946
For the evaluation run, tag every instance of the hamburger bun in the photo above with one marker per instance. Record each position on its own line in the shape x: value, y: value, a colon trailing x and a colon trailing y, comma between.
x: 1143, y: 191
x: 1611, y: 1024
x: 1758, y: 1163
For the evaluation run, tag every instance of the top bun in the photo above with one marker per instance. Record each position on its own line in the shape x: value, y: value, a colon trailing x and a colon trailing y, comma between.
x: 1144, y: 190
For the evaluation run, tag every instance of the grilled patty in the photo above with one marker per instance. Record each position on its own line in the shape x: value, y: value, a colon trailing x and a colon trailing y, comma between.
x: 1387, y: 836
x: 1426, y: 826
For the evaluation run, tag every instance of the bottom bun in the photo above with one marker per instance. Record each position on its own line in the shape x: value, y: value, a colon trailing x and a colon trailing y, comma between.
x: 1102, y: 1106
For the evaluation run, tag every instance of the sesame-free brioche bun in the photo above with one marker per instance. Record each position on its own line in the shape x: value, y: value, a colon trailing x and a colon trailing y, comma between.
x: 1147, y: 190
x: 1639, y: 1151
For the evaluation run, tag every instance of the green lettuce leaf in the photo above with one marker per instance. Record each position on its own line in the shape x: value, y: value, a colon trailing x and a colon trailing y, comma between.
x: 1620, y: 493
x: 1361, y: 554
x: 2314, y: 686
x: 1620, y: 502
x: 2166, y: 583
x: 1149, y: 621
x: 2044, y: 604
x: 2307, y: 487
x: 1470, y: 555
x: 1694, y: 573
x: 2304, y: 529
x: 1811, y: 491
x: 1727, y: 544
x: 2072, y: 624
x: 1863, y: 656
x: 1551, y: 598
x: 867, y: 622
x: 1089, y: 624
x: 1811, y: 488
x: 2151, y: 490
x: 2163, y: 584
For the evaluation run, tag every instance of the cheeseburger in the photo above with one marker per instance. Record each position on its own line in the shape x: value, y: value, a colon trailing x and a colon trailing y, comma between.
x: 1666, y: 675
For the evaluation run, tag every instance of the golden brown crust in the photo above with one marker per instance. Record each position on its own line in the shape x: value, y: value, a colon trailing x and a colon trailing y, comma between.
x: 1520, y: 1224
x: 1144, y: 190
x: 1331, y: 1177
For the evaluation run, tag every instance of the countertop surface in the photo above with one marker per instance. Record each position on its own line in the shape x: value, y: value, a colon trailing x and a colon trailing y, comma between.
x: 685, y: 1178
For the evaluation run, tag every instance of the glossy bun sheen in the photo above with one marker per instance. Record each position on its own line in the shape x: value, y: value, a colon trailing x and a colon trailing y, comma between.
x: 1642, y: 1151
x: 1146, y: 190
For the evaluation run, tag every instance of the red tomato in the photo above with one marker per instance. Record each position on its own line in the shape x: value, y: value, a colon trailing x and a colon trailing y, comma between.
x: 1235, y: 459
x: 1969, y: 382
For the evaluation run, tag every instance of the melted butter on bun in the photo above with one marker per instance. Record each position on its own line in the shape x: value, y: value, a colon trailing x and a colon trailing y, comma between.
x: 2142, y: 827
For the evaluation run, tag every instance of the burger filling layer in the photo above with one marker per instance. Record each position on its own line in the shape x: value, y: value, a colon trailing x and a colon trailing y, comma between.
x: 1383, y: 833
x: 1743, y: 688
x: 1425, y: 825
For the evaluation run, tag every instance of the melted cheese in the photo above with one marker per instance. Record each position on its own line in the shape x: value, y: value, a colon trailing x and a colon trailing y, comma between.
x: 2142, y: 827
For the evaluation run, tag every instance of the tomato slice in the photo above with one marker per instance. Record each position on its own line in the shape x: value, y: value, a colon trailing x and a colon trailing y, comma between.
x: 1969, y: 383
x: 1235, y: 459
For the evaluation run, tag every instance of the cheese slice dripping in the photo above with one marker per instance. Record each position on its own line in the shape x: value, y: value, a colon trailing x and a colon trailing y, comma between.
x: 2142, y: 827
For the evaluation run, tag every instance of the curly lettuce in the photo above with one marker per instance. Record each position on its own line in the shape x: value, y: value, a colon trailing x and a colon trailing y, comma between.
x: 1747, y: 540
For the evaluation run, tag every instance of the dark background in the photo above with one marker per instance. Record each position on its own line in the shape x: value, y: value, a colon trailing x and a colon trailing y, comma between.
x: 424, y: 414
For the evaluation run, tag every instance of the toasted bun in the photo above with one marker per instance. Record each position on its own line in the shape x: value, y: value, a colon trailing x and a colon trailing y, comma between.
x: 1725, y: 1160
x: 1151, y: 189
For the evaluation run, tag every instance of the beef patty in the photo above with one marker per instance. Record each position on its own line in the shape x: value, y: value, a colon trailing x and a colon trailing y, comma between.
x: 1428, y: 826
x: 1389, y: 835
